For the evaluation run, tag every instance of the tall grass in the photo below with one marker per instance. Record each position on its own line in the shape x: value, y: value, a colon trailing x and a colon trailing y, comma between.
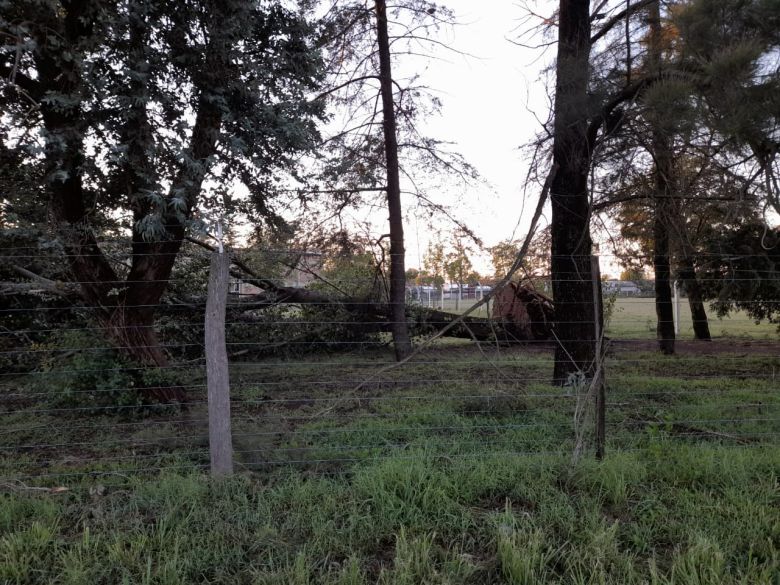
x: 701, y: 514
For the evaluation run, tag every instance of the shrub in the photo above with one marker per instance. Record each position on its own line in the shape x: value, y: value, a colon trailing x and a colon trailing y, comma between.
x: 83, y: 374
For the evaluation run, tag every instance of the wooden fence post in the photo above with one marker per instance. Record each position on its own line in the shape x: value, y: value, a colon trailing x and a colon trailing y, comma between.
x: 220, y: 439
x: 598, y: 370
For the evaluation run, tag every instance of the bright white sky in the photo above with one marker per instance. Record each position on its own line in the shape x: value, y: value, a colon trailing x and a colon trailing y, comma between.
x: 486, y: 100
x: 490, y: 89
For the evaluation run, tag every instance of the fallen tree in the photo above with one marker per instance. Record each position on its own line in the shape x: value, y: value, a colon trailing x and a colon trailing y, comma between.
x: 278, y: 320
x: 519, y: 313
x: 528, y: 317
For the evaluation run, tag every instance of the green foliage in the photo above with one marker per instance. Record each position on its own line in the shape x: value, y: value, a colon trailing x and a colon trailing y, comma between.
x: 457, y: 263
x: 356, y: 274
x: 434, y: 262
x: 609, y: 301
x: 632, y: 274
x: 536, y: 261
x: 165, y: 95
x: 503, y: 255
x: 138, y: 118
x: 742, y: 272
x: 30, y: 313
x: 732, y: 45
x: 81, y: 373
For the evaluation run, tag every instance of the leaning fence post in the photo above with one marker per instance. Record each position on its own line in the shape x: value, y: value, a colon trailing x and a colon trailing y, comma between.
x: 598, y: 370
x: 220, y: 440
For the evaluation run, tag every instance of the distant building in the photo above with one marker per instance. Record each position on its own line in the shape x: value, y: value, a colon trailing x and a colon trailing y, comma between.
x: 621, y: 287
x: 300, y: 268
x: 305, y: 270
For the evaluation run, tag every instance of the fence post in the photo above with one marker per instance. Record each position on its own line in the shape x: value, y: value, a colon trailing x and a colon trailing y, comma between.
x: 598, y: 373
x: 220, y: 439
x: 676, y: 289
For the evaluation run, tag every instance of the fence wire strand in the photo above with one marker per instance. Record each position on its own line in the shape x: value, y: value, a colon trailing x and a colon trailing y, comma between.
x: 315, y: 390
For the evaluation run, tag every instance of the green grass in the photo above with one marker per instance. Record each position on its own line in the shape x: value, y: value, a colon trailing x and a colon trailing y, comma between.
x: 635, y: 318
x: 697, y: 514
x: 456, y: 468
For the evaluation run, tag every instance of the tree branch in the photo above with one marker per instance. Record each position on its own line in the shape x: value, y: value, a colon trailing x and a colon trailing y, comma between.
x: 286, y: 292
x: 64, y: 289
x: 327, y: 92
x: 30, y: 88
x: 610, y: 24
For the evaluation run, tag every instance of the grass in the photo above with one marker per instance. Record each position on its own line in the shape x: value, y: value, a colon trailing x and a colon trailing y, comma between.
x: 635, y: 318
x: 454, y: 469
x: 635, y: 518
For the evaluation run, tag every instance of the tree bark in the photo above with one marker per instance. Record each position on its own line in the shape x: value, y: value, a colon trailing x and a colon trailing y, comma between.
x: 123, y: 306
x: 664, y: 309
x: 687, y: 273
x: 663, y: 170
x: 401, y: 341
x: 570, y: 230
x: 701, y: 326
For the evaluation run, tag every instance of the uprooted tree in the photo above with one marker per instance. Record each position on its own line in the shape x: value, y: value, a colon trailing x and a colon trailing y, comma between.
x: 138, y: 106
x: 520, y: 313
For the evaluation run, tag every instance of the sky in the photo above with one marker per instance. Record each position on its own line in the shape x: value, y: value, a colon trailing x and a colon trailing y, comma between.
x: 489, y: 94
x: 493, y: 99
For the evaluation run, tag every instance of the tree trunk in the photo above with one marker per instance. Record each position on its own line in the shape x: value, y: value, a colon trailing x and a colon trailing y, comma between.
x: 131, y: 329
x: 663, y: 170
x: 125, y: 307
x: 701, y: 326
x: 663, y: 288
x: 570, y: 230
x: 400, y: 332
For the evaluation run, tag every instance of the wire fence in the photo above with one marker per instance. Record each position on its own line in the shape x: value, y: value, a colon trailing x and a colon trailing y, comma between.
x: 314, y: 388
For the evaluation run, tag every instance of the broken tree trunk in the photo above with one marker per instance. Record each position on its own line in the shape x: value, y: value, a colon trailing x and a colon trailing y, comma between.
x: 527, y: 317
x: 377, y: 317
x: 524, y: 309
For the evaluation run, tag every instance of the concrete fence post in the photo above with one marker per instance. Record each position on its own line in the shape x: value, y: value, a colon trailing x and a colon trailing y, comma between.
x: 220, y: 439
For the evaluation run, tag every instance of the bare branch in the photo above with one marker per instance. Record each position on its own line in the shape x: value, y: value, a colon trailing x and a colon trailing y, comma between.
x: 343, y: 85
x: 610, y: 24
x: 64, y: 289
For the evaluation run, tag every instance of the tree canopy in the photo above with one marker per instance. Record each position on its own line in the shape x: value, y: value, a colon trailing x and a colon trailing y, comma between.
x: 145, y: 116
